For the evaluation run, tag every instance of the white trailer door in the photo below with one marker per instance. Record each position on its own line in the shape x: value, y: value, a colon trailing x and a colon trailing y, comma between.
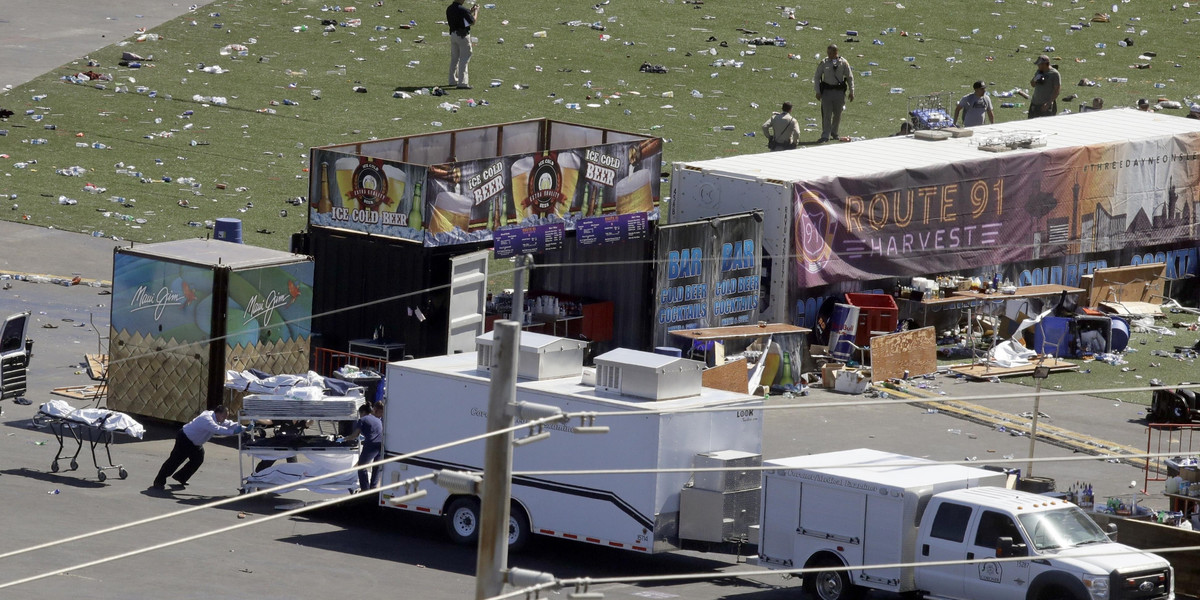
x: 780, y: 518
x: 468, y: 300
x: 837, y: 516
x: 883, y: 544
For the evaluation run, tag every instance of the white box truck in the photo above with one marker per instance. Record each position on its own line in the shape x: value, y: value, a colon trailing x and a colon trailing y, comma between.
x: 437, y: 400
x: 957, y: 535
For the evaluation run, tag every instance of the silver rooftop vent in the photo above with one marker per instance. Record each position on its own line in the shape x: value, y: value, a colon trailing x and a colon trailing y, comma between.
x: 540, y: 357
x: 647, y: 375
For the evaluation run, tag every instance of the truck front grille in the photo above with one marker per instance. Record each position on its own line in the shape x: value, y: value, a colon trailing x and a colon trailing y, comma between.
x: 1153, y: 584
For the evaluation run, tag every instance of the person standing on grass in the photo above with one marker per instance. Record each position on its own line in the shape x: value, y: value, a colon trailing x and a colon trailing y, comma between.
x: 189, y: 445
x: 974, y: 106
x: 459, y: 19
x: 782, y: 130
x: 1046, y: 85
x: 833, y: 83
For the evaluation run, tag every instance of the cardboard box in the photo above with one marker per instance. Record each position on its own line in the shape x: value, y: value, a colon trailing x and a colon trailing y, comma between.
x: 827, y: 374
x: 1190, y: 474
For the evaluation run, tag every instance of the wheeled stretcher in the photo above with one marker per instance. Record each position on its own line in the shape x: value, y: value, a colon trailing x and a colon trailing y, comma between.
x: 94, y: 425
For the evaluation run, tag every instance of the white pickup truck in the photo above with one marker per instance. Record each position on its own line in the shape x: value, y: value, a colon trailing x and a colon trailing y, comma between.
x: 942, y: 531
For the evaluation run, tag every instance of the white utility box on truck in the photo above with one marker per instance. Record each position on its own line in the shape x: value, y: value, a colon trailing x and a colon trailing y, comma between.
x: 874, y: 511
x: 437, y: 400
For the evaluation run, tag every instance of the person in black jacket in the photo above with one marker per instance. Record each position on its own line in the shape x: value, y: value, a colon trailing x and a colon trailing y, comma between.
x: 459, y: 19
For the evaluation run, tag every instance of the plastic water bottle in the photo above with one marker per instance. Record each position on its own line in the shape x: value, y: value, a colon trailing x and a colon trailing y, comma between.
x: 910, y: 59
x: 39, y: 141
x: 1160, y: 85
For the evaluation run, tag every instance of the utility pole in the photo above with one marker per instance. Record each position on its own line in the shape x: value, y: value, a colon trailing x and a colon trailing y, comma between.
x: 492, y: 557
x: 1040, y: 373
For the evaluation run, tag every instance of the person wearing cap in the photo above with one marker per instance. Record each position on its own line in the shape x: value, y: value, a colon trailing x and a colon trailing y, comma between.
x: 833, y: 83
x: 1046, y: 85
x: 974, y: 106
x: 1144, y: 105
x: 460, y: 20
x: 782, y: 130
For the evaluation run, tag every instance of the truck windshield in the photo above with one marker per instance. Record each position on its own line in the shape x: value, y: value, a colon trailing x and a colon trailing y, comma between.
x: 1062, y: 528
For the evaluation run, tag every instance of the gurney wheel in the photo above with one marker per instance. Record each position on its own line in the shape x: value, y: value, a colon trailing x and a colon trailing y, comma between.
x: 54, y: 467
x: 100, y: 475
x: 122, y: 473
x: 74, y: 465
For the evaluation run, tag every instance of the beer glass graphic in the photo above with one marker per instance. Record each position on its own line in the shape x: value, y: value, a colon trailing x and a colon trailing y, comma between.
x: 634, y: 193
x: 450, y: 210
x: 520, y: 186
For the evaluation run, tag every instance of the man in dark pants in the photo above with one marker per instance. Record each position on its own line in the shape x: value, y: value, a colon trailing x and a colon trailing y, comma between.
x: 1046, y: 85
x: 371, y: 428
x: 834, y: 84
x: 189, y: 445
x: 460, y: 20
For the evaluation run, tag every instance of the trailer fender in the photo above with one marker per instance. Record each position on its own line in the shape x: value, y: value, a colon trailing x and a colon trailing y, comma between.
x: 1056, y: 585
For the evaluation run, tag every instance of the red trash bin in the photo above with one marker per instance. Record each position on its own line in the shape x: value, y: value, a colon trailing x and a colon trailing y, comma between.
x: 876, y: 313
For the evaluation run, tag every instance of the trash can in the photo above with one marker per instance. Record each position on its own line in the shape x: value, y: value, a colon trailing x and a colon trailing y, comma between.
x: 877, y: 313
x: 368, y: 380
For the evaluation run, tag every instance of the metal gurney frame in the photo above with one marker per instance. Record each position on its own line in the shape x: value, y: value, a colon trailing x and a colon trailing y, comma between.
x: 95, y: 426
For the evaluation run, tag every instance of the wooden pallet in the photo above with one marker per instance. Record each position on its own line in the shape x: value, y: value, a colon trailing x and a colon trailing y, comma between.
x: 984, y: 372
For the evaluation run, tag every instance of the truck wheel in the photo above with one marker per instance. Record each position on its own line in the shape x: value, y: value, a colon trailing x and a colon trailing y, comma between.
x: 518, y: 529
x: 830, y: 585
x: 462, y: 520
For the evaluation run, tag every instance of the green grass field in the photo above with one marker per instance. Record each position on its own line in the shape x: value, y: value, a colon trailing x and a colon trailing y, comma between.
x: 256, y: 149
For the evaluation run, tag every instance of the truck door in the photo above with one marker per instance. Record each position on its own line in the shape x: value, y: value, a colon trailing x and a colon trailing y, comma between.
x: 943, y: 539
x: 995, y: 580
x: 14, y: 358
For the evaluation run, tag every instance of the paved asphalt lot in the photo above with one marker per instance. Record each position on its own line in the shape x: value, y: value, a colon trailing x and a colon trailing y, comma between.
x: 360, y: 549
x: 354, y: 549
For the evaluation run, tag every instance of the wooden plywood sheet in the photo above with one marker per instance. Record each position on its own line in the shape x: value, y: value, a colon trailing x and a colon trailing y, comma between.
x: 1134, y: 309
x: 984, y: 372
x: 79, y: 392
x: 913, y: 351
x: 1136, y: 283
x: 97, y: 365
x: 731, y: 377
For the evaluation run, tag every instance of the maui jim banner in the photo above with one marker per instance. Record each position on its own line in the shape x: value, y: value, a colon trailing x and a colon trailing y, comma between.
x: 708, y: 275
x: 366, y: 194
x: 997, y: 210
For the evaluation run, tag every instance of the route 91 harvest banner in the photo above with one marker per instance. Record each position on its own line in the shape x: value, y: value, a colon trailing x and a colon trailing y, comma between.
x: 1026, y: 206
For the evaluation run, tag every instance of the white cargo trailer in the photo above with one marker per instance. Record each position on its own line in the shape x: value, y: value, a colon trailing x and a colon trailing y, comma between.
x: 437, y: 400
x: 1041, y: 201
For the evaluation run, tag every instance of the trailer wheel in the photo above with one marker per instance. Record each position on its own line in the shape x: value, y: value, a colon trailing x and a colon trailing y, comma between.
x: 519, y: 533
x: 462, y: 520
x: 830, y: 585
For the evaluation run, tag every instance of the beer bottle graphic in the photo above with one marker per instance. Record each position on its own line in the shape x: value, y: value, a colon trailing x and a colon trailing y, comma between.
x: 418, y: 203
x: 324, y: 205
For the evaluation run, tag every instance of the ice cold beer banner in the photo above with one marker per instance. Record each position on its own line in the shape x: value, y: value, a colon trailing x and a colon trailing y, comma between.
x: 997, y: 210
x: 595, y: 187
